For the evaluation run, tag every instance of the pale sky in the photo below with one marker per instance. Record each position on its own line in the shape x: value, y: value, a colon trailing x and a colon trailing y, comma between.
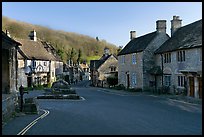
x: 111, y: 21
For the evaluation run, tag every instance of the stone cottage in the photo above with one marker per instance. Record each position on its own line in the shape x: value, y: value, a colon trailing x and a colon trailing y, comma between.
x: 9, y: 75
x: 136, y: 59
x: 180, y: 58
x: 37, y: 63
x: 106, y: 66
x: 84, y: 71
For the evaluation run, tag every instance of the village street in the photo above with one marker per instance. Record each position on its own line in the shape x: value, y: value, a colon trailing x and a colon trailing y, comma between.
x: 109, y: 113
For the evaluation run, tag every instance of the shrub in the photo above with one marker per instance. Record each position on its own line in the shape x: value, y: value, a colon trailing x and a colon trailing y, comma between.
x: 112, y: 81
x: 135, y: 89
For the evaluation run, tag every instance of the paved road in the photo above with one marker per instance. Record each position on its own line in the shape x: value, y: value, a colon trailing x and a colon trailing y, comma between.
x: 106, y: 113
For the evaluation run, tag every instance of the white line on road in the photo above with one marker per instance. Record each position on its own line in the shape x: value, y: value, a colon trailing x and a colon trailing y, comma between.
x: 22, y: 132
x: 110, y: 92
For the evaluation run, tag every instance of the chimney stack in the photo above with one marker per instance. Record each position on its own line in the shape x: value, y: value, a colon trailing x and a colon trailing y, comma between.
x: 7, y: 33
x: 161, y: 26
x: 33, y: 35
x: 106, y: 51
x: 132, y: 35
x: 175, y: 24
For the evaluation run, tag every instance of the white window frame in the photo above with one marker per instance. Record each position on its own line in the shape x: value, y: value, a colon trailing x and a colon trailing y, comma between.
x: 181, y: 81
x: 134, y: 81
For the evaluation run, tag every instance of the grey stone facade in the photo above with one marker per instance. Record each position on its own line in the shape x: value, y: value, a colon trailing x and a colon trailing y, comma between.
x: 136, y: 75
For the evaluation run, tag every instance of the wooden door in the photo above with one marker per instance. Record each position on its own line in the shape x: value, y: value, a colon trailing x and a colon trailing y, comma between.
x: 128, y: 80
x: 192, y: 87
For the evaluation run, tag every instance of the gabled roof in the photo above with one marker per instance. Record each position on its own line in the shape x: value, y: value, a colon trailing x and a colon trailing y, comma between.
x: 138, y: 44
x: 98, y: 63
x: 34, y: 50
x: 9, y: 40
x: 189, y: 36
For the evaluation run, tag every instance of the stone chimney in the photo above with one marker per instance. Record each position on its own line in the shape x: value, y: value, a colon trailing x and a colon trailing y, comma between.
x: 132, y: 35
x: 106, y: 51
x: 7, y: 33
x: 161, y: 26
x: 33, y: 35
x: 175, y: 24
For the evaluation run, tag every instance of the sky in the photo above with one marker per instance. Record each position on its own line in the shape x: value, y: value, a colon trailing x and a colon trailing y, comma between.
x: 110, y: 21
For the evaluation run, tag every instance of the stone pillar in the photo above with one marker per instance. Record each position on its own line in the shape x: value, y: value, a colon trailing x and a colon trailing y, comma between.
x: 196, y: 84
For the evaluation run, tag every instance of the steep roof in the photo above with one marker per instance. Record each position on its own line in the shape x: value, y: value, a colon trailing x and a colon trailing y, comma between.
x: 34, y: 50
x: 98, y: 63
x: 9, y: 40
x: 188, y: 36
x: 138, y: 44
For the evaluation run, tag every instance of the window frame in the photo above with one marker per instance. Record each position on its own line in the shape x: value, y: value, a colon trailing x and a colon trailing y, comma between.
x: 134, y: 61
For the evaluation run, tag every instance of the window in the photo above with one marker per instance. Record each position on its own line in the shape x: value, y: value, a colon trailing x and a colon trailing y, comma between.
x: 123, y: 59
x: 181, y: 56
x: 133, y: 58
x: 133, y: 79
x: 167, y: 58
x: 45, y: 63
x: 167, y: 80
x: 181, y: 81
x: 113, y: 68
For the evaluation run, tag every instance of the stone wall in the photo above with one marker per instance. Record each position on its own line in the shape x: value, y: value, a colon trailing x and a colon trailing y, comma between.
x: 131, y: 68
x: 149, y: 57
x: 193, y: 61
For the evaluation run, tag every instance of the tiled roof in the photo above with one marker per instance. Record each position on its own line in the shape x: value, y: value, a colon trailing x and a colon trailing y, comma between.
x: 188, y: 36
x: 34, y: 50
x: 138, y: 44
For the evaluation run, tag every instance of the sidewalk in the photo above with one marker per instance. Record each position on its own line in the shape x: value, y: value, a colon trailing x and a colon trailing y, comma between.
x: 180, y: 98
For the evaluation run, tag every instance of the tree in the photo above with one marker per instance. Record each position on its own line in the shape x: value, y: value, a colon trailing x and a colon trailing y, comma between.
x: 79, y: 56
x: 119, y: 49
x: 97, y: 39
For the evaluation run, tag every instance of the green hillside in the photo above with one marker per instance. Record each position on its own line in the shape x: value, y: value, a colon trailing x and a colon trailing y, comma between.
x: 61, y: 40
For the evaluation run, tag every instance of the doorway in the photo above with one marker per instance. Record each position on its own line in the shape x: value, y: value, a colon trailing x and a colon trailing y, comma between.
x: 128, y: 80
x: 29, y: 81
x: 192, y: 86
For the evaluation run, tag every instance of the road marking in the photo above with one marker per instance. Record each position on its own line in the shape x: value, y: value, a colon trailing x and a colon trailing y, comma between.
x: 22, y: 132
x: 110, y: 92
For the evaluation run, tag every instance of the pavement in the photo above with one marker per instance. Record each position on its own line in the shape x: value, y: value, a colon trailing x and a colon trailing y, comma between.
x: 21, y: 120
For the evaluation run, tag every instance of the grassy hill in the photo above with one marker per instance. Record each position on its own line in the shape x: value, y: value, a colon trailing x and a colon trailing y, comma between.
x: 61, y: 40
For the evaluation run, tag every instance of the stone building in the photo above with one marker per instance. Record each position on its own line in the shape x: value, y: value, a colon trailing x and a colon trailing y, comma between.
x: 136, y: 59
x: 37, y: 62
x: 9, y: 75
x: 106, y: 66
x: 180, y: 58
x: 84, y: 71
